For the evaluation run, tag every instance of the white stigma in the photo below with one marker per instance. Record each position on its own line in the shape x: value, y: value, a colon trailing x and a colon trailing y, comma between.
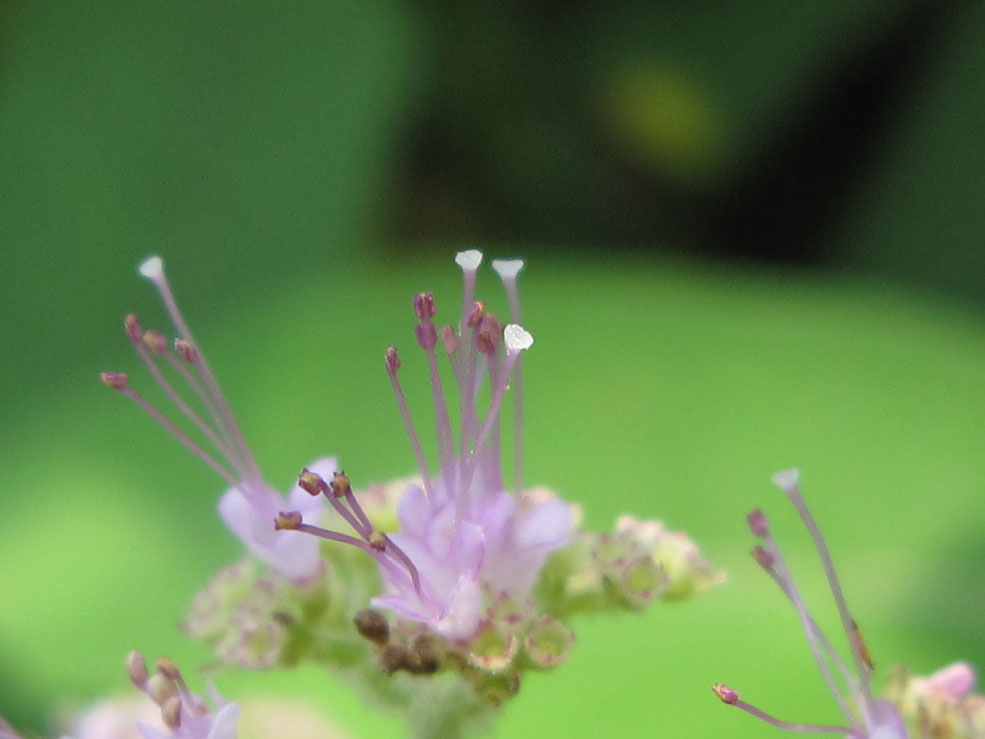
x: 507, y: 269
x: 469, y: 259
x: 516, y: 338
x: 152, y: 268
x: 787, y: 479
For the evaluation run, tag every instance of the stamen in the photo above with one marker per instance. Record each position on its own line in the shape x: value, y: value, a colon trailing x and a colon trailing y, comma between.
x: 153, y: 270
x: 427, y: 337
x: 312, y: 483
x: 174, y: 430
x: 288, y: 521
x: 788, y: 482
x: 758, y: 523
x: 731, y: 698
x: 137, y: 669
x: 815, y: 639
x: 392, y: 365
x: 508, y: 269
x: 115, y: 380
x: 516, y: 340
x: 133, y: 328
x: 156, y: 342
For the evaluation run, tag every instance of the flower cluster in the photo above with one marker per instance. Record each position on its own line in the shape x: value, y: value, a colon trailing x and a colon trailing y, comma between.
x: 456, y: 572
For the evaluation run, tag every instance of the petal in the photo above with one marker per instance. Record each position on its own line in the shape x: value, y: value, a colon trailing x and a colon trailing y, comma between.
x: 224, y: 724
x: 546, y: 525
x: 413, y: 511
x: 463, y: 611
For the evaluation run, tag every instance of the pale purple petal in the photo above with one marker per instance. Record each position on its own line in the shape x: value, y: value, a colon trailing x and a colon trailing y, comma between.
x: 225, y: 722
x: 413, y: 511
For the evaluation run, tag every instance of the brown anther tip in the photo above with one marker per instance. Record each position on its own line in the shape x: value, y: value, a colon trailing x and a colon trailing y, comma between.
x: 311, y: 482
x: 133, y: 328
x: 186, y: 350
x: 115, y: 380
x: 758, y: 523
x: 373, y: 625
x: 156, y: 341
x: 171, y: 713
x: 137, y: 669
x: 725, y: 693
x: 168, y: 668
x: 424, y: 307
x: 340, y: 484
x: 378, y: 540
x: 160, y: 688
x: 489, y: 334
x: 288, y: 521
x: 392, y: 360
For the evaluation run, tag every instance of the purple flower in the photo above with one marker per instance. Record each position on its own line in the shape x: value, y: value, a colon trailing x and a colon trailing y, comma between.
x: 866, y: 717
x: 250, y: 506
x: 465, y: 539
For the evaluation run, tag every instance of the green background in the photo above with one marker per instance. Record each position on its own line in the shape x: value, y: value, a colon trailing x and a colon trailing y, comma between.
x: 259, y: 149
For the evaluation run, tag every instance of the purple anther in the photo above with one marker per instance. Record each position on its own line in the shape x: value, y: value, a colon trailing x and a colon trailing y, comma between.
x: 133, y: 328
x: 392, y: 360
x: 758, y: 523
x: 156, y: 342
x: 424, y: 306
x: 427, y: 335
x: 115, y: 380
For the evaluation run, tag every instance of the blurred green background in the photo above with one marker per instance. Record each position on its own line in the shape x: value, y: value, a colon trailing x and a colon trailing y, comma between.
x: 753, y: 239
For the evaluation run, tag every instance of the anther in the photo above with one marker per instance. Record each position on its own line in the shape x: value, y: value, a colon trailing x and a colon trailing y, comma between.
x: 156, y: 342
x: 186, y: 350
x: 487, y: 338
x: 168, y: 668
x: 160, y: 688
x: 392, y: 360
x: 288, y: 521
x: 115, y: 380
x: 137, y: 669
x: 340, y: 485
x: 763, y: 558
x: 371, y: 624
x: 476, y: 315
x: 171, y: 713
x: 424, y: 307
x: 725, y: 693
x: 311, y: 482
x: 133, y: 328
x: 427, y: 335
x: 758, y: 523
x: 378, y: 540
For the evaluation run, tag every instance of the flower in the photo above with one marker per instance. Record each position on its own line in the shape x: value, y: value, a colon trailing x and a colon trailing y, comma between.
x: 941, y: 704
x: 250, y: 506
x: 185, y: 714
x: 464, y: 538
x: 866, y: 717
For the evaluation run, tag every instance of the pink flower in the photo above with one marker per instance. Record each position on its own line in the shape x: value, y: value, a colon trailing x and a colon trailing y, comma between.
x: 250, y: 506
x: 465, y: 539
x: 866, y: 717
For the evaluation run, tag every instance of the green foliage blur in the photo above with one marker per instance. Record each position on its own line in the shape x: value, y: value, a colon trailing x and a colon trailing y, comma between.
x: 754, y: 241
